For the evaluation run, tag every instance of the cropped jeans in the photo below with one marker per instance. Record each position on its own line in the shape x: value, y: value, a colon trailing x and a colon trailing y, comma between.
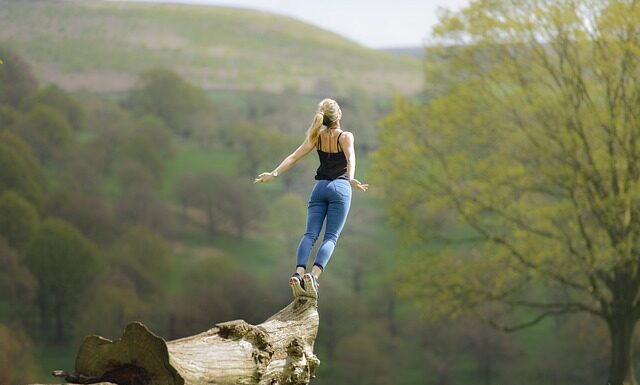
x: 329, y: 199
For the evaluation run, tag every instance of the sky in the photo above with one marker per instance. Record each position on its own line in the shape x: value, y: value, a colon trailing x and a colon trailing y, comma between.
x: 372, y: 23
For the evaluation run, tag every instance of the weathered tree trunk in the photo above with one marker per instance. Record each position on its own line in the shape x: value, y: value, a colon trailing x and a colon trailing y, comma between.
x: 279, y: 351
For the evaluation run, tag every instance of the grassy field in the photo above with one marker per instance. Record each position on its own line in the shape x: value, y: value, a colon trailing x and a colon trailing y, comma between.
x: 103, y: 46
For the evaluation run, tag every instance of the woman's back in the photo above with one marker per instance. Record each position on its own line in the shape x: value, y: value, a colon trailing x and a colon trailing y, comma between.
x: 333, y: 162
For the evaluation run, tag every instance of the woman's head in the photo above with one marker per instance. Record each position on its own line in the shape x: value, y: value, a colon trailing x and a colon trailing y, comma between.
x: 328, y: 114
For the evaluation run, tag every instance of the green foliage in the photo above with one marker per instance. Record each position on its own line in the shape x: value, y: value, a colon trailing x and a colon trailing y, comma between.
x: 19, y: 171
x: 217, y: 288
x: 17, y: 288
x: 259, y: 146
x: 56, y: 98
x: 286, y: 220
x: 145, y: 258
x: 16, y: 78
x: 65, y: 263
x: 149, y: 143
x: 18, y: 219
x: 17, y: 363
x: 165, y: 94
x: 47, y: 131
x: 530, y: 141
x: 222, y: 201
x: 8, y: 116
x: 112, y: 306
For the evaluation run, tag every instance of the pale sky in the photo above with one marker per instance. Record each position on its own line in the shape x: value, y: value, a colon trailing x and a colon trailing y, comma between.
x: 373, y: 23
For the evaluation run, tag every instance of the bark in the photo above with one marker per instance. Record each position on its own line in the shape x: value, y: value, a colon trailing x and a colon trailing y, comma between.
x: 621, y: 371
x: 278, y: 351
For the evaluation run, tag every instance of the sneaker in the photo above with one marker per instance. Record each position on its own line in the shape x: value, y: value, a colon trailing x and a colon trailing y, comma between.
x: 311, y: 284
x: 297, y: 285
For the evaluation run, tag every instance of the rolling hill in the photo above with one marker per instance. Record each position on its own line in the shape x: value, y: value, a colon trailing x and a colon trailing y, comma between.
x: 102, y: 46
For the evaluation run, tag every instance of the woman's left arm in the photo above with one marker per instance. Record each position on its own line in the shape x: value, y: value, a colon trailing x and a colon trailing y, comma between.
x: 286, y: 164
x: 346, y: 141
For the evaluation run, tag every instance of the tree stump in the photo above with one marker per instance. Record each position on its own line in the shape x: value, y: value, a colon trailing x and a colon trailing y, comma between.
x: 278, y: 351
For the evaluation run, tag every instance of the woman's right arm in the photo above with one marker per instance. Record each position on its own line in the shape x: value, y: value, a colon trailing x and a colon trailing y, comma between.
x: 287, y: 163
x: 350, y: 153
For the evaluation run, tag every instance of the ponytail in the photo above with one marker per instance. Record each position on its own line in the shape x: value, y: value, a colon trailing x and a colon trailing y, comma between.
x: 314, y: 128
x: 328, y: 113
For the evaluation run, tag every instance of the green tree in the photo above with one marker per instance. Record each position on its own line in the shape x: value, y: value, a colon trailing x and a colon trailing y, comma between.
x: 20, y: 171
x: 149, y: 144
x: 65, y: 263
x: 16, y: 78
x: 242, y: 206
x: 58, y: 99
x: 17, y: 361
x: 47, y: 131
x: 531, y: 141
x: 17, y: 288
x: 145, y: 258
x: 287, y: 220
x: 18, y: 219
x: 165, y: 94
x: 8, y: 116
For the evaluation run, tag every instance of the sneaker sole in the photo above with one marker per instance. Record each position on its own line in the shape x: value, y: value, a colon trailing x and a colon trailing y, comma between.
x: 312, y: 290
x: 296, y: 288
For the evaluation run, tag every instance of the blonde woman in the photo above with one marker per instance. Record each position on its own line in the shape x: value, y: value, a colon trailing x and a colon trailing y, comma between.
x: 331, y: 195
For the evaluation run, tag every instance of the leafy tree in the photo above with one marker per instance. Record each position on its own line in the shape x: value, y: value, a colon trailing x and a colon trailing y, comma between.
x: 109, y: 308
x: 149, y: 144
x: 17, y: 288
x: 17, y: 361
x: 90, y: 213
x: 65, y: 263
x: 259, y: 146
x: 18, y: 219
x: 13, y: 141
x: 216, y: 289
x: 531, y: 140
x: 205, y: 191
x: 47, y: 131
x: 165, y: 94
x: 8, y: 116
x: 58, y: 99
x: 242, y: 206
x: 16, y: 78
x: 19, y: 171
x: 145, y: 258
x: 286, y: 220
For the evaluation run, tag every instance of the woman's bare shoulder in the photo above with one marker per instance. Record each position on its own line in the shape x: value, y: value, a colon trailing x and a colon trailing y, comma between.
x: 346, y: 135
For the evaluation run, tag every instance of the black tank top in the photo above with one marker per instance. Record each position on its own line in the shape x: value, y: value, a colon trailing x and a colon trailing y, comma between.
x: 333, y: 165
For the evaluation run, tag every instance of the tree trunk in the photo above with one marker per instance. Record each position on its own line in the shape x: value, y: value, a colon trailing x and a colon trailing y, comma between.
x: 621, y: 371
x: 279, y: 351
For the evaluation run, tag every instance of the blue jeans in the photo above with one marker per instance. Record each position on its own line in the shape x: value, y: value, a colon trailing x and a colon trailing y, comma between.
x: 329, y: 199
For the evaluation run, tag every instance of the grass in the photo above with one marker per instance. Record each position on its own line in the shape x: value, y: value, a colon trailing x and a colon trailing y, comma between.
x: 220, y: 48
x: 55, y: 358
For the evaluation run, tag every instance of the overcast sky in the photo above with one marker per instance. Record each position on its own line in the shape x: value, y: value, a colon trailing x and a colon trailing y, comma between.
x: 373, y: 23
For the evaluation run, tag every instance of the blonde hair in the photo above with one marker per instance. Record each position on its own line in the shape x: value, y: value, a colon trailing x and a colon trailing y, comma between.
x: 328, y: 113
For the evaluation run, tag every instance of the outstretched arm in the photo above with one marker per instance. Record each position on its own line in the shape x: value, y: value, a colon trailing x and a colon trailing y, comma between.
x: 346, y: 141
x: 286, y: 164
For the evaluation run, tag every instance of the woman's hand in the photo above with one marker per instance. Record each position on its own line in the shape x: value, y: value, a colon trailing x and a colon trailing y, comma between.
x: 357, y: 184
x: 265, y: 177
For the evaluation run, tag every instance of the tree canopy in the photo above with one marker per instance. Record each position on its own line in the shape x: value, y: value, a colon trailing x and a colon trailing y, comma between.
x: 528, y: 149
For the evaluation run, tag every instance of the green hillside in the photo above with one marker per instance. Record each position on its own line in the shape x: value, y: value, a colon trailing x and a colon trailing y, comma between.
x: 103, y: 45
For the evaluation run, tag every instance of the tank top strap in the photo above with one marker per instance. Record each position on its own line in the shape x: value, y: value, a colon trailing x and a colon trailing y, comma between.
x: 319, y: 144
x: 338, y: 146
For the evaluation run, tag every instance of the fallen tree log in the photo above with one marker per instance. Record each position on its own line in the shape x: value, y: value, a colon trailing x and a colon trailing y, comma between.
x: 278, y: 351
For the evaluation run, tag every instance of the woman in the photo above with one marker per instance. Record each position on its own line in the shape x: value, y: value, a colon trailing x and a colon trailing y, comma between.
x: 331, y: 195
